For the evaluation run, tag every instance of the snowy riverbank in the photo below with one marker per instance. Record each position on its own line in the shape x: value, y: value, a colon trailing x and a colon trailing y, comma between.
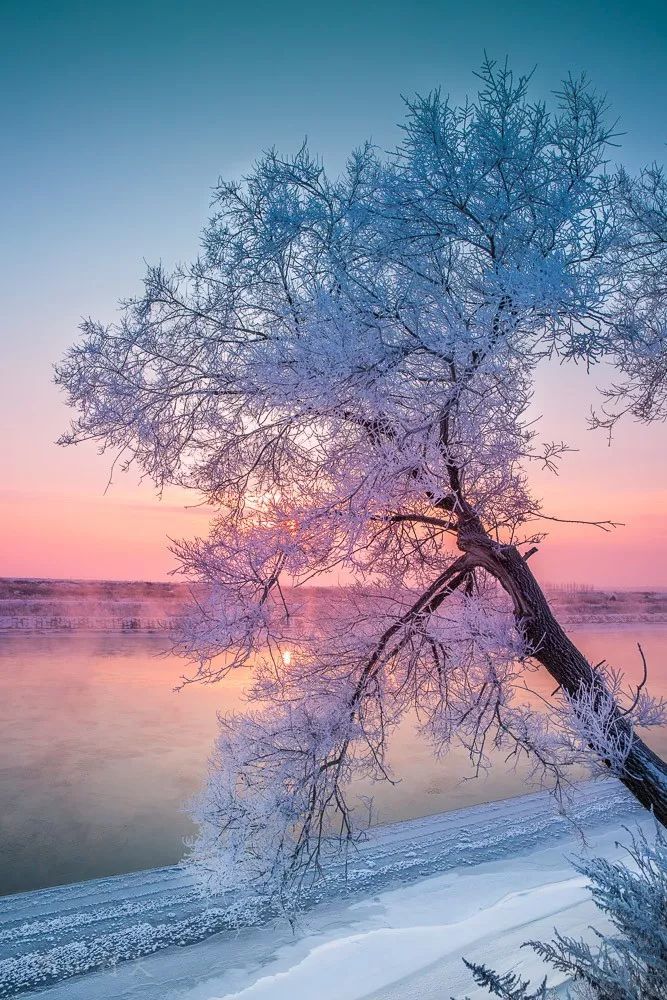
x: 419, y: 894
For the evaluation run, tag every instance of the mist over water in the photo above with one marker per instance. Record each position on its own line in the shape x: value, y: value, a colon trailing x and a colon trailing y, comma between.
x: 100, y: 756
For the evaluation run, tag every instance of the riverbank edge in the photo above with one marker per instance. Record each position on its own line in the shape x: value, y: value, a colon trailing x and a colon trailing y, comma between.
x: 49, y: 935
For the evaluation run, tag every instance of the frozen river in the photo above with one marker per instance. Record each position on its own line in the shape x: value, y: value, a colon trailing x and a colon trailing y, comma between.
x: 99, y: 755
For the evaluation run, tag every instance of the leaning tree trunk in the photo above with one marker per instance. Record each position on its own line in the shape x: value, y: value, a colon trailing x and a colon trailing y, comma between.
x: 643, y: 772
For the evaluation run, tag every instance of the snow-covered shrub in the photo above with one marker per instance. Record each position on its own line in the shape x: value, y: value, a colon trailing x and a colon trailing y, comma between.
x: 630, y: 963
x: 508, y: 987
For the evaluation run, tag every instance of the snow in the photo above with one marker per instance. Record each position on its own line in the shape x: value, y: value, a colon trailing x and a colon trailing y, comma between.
x: 408, y: 943
x: 420, y: 895
x: 355, y: 965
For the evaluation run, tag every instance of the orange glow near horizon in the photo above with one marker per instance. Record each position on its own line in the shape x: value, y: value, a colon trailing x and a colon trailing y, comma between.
x: 90, y: 537
x: 57, y: 521
x: 46, y: 535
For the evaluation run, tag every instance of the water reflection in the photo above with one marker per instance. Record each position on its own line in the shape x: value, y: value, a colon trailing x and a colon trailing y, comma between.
x: 99, y: 754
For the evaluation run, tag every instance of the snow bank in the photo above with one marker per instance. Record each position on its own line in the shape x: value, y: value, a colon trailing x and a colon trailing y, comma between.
x: 402, y: 944
x: 477, y: 855
x: 355, y: 965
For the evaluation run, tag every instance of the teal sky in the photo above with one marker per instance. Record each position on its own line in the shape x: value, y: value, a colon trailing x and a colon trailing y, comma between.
x: 118, y: 117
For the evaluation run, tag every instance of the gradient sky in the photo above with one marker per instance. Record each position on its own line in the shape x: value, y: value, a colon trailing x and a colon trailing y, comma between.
x: 117, y: 120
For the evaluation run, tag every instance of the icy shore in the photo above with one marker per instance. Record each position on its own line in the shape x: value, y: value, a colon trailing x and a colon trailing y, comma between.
x: 113, y: 925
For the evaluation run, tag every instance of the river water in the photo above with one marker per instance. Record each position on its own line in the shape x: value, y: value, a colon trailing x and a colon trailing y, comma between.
x: 99, y: 755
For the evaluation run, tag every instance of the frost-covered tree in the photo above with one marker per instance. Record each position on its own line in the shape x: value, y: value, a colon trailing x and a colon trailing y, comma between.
x: 630, y: 963
x: 345, y: 375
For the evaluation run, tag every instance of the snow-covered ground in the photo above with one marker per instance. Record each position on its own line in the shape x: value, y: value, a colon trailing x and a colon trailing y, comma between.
x: 419, y: 895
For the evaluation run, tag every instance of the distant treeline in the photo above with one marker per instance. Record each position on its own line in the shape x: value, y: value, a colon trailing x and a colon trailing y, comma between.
x: 20, y: 588
x: 34, y: 605
x: 90, y: 605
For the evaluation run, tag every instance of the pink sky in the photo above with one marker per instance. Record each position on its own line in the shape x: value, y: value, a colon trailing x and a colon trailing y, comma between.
x: 56, y: 521
x: 116, y: 138
x: 97, y: 184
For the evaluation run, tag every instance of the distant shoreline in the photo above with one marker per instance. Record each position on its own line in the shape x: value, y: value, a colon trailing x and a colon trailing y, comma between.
x: 68, y: 607
x: 48, y: 581
x: 19, y: 626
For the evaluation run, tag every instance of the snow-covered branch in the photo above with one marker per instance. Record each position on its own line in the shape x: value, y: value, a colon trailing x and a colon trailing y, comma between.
x: 345, y: 375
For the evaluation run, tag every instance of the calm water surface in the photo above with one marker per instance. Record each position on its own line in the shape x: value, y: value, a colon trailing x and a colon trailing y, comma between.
x: 98, y: 755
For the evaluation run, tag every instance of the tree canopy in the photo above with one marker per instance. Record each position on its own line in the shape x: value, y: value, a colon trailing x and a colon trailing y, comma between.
x: 345, y: 375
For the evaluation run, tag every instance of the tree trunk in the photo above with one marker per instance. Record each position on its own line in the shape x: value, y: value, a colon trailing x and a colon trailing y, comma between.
x: 643, y: 772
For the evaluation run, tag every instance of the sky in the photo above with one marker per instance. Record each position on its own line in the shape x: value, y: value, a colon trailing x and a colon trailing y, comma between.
x: 118, y: 118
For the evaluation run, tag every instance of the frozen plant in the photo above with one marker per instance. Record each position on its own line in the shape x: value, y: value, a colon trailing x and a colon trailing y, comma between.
x: 507, y: 987
x: 345, y: 376
x: 630, y: 963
